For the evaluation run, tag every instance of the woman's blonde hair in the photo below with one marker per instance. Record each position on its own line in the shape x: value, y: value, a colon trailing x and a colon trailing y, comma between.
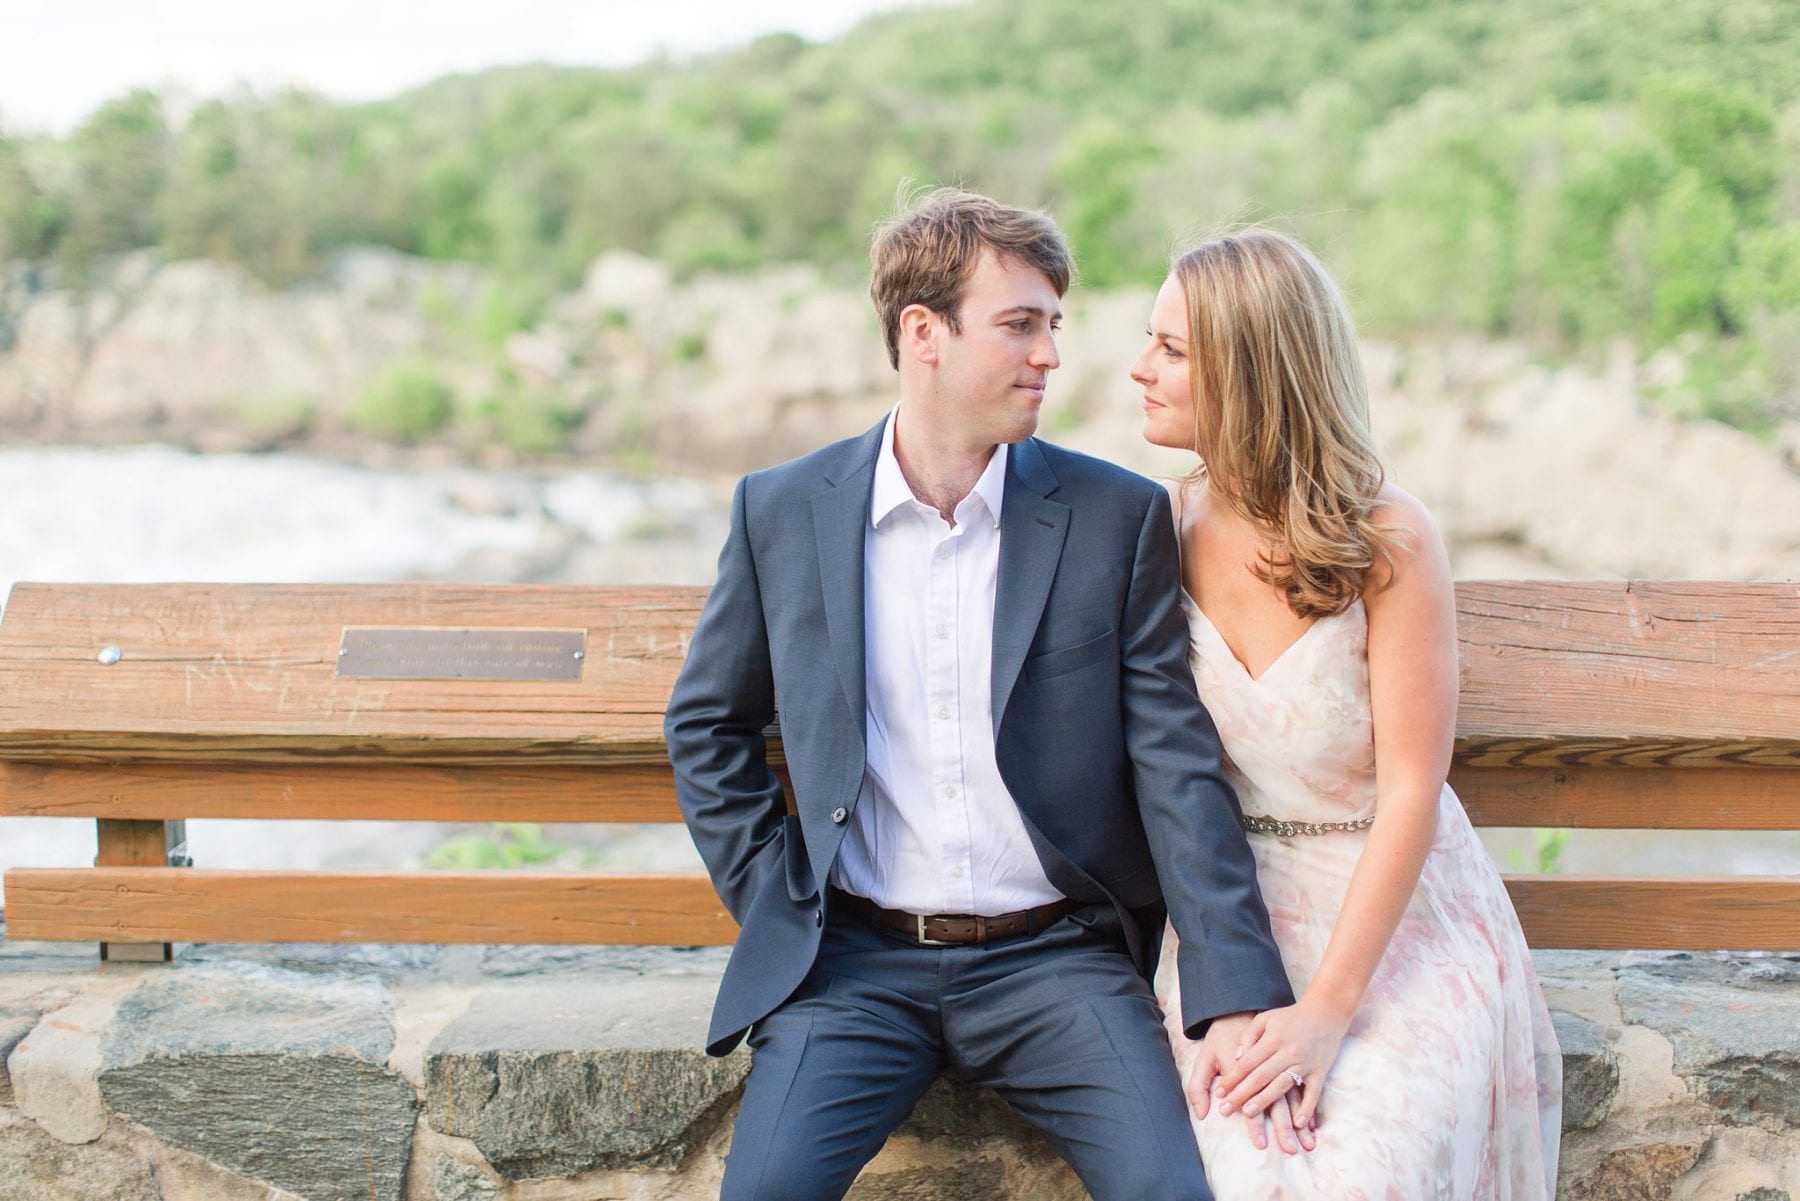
x: 1281, y: 412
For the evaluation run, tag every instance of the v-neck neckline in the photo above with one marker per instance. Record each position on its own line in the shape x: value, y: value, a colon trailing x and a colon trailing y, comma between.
x: 1277, y: 661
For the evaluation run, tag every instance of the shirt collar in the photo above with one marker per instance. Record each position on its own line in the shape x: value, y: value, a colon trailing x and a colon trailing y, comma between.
x: 891, y: 489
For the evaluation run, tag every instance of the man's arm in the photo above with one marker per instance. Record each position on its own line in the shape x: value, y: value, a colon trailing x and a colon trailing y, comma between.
x: 1228, y: 962
x: 722, y: 702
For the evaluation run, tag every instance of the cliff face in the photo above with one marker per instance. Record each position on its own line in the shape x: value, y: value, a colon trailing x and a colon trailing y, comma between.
x: 1531, y: 470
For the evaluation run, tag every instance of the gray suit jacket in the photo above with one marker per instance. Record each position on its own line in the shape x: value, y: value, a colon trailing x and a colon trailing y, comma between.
x: 1099, y: 735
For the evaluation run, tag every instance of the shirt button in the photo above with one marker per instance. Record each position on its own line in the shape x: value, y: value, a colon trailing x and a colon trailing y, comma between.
x: 839, y: 814
x: 956, y: 870
x: 943, y: 631
x: 943, y: 551
x: 950, y: 790
x: 943, y: 710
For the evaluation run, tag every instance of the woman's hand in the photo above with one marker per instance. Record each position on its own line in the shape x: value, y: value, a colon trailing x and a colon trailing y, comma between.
x: 1205, y: 1084
x: 1301, y: 1040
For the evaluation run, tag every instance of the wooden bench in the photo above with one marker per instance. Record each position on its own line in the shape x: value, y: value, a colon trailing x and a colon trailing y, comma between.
x: 1601, y: 705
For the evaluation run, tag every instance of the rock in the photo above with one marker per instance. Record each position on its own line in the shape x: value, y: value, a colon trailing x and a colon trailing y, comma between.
x: 1646, y: 1172
x: 554, y: 1080
x: 52, y: 1069
x: 324, y: 958
x: 274, y: 1074
x: 185, y: 1176
x: 537, y: 355
x: 1735, y: 1027
x: 455, y: 1181
x: 980, y: 1180
x: 1590, y: 1071
x: 37, y: 1167
x: 1764, y: 1194
x: 14, y: 1026
x: 952, y: 1110
x: 625, y: 283
x: 448, y: 1169
x: 503, y: 961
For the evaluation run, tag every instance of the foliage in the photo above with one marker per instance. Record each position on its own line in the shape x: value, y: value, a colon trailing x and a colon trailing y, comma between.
x: 406, y: 402
x: 1549, y: 844
x: 1567, y: 173
x: 533, y: 421
x: 506, y: 846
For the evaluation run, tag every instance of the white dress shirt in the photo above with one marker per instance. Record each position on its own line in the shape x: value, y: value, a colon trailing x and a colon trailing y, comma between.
x: 934, y: 829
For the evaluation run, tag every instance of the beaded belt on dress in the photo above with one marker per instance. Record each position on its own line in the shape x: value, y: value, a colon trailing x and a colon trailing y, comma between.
x: 1287, y: 829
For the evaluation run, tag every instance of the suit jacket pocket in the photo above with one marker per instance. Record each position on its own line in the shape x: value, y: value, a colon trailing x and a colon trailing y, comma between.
x: 1073, y: 658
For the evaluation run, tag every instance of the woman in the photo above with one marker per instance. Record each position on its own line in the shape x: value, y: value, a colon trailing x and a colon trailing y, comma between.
x: 1324, y: 645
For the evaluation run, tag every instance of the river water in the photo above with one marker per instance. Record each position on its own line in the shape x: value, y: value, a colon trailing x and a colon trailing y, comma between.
x: 147, y: 513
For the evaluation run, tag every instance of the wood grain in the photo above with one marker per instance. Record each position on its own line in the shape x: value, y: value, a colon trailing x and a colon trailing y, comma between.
x: 1602, y: 798
x: 134, y: 843
x: 1621, y: 913
x: 342, y: 792
x: 1676, y: 674
x: 1579, y: 798
x: 200, y: 905
x: 196, y: 905
x: 248, y: 672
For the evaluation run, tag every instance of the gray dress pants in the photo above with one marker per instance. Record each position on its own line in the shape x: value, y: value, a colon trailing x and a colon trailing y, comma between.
x: 1058, y: 1022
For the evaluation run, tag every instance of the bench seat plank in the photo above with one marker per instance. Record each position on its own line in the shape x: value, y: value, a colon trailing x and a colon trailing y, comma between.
x: 1678, y: 913
x: 213, y: 905
x: 218, y: 905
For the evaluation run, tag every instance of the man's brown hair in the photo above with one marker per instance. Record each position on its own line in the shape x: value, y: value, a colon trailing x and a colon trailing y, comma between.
x: 926, y: 254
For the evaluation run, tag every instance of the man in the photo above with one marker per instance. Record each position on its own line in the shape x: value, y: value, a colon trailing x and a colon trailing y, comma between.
x: 996, y: 753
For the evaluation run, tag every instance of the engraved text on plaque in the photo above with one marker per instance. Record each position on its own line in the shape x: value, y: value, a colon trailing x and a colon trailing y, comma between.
x: 390, y: 653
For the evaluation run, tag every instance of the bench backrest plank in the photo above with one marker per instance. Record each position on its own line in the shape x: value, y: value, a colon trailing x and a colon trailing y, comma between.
x: 1736, y: 798
x: 1643, y: 674
x: 241, y: 672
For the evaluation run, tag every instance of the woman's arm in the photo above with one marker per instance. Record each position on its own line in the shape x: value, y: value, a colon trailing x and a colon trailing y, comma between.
x: 1412, y: 689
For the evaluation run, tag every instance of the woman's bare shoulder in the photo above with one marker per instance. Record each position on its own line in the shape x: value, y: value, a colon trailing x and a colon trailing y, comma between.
x: 1399, y: 509
x: 1414, y: 545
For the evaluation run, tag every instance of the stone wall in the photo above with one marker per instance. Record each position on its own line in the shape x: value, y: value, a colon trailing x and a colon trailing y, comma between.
x: 543, y: 1074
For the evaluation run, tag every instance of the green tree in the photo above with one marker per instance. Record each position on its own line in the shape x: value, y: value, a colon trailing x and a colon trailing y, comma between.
x: 26, y: 215
x: 1723, y: 134
x: 1691, y: 250
x: 118, y: 160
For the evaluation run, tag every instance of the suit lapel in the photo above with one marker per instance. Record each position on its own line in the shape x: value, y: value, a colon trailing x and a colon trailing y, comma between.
x: 840, y: 513
x: 1032, y: 529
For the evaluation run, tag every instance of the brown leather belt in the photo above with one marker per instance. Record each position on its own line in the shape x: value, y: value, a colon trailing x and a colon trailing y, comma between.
x: 955, y: 929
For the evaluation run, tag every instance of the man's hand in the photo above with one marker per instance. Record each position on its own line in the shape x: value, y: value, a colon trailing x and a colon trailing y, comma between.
x: 1216, y: 1047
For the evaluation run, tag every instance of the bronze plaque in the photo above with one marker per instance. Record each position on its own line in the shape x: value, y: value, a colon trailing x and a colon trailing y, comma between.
x: 392, y: 653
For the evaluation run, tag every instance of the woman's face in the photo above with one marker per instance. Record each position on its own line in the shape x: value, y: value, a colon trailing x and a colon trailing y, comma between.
x: 1162, y: 371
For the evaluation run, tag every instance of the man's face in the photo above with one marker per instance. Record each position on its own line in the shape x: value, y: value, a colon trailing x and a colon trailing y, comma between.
x: 990, y: 378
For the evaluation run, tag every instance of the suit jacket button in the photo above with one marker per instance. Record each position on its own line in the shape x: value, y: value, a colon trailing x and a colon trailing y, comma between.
x: 818, y: 917
x: 839, y: 814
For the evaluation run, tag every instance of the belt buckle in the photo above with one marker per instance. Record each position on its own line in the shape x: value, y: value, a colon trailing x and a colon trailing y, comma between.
x: 924, y: 941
